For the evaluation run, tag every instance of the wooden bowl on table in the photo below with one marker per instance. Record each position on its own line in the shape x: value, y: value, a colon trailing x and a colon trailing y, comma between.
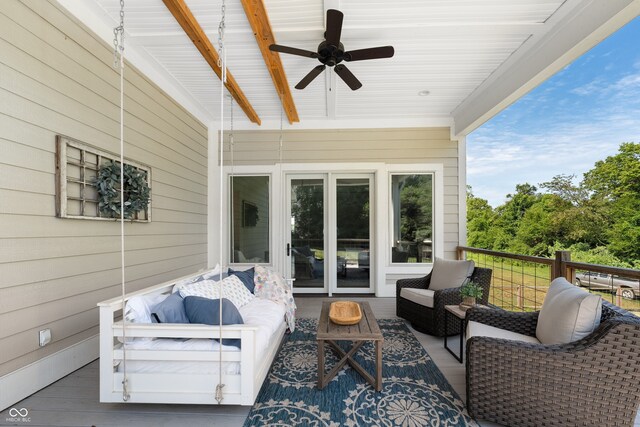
x: 345, y: 312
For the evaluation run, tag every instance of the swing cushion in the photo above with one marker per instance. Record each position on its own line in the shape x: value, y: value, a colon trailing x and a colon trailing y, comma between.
x: 231, y: 288
x: 171, y: 310
x: 246, y: 277
x: 207, y: 311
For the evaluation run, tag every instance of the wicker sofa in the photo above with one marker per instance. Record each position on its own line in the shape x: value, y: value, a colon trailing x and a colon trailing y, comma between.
x: 593, y: 381
x: 431, y: 320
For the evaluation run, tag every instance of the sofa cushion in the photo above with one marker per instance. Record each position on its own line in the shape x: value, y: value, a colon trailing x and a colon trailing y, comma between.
x: 231, y: 288
x: 245, y: 276
x: 419, y: 296
x: 171, y: 310
x: 477, y: 329
x: 207, y: 311
x: 568, y: 313
x: 449, y: 273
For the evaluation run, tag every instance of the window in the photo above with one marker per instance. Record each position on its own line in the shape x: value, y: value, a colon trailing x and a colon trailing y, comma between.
x: 412, y: 218
x: 77, y: 168
x: 249, y: 214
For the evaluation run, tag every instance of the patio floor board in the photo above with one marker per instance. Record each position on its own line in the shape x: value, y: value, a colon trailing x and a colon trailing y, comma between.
x: 73, y: 400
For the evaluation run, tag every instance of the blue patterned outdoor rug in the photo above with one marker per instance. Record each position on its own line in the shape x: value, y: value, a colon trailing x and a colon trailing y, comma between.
x: 414, y: 391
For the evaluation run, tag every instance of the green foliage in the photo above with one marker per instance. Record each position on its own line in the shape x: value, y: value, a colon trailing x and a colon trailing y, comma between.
x: 136, y: 190
x: 471, y: 290
x: 616, y: 176
x: 308, y: 210
x: 416, y: 208
x: 598, y: 219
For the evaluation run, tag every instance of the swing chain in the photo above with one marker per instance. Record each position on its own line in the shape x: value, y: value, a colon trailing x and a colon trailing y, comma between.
x: 221, y: 28
x: 118, y: 39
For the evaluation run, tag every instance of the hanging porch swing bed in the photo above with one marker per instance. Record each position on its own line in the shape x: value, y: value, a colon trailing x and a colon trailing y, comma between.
x: 182, y: 362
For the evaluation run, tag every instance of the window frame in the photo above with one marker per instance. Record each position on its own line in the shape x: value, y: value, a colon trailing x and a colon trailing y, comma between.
x: 400, y: 270
x: 392, y: 217
x: 229, y: 223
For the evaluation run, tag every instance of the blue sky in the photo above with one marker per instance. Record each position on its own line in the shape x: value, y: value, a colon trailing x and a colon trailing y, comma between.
x: 575, y: 118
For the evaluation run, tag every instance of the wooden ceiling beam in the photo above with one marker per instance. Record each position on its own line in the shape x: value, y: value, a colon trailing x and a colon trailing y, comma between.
x: 192, y: 28
x: 259, y: 21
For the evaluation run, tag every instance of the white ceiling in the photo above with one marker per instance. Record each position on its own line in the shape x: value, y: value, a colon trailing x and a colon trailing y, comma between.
x: 449, y: 47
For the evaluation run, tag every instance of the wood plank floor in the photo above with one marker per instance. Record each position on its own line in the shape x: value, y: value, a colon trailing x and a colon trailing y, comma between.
x: 73, y: 400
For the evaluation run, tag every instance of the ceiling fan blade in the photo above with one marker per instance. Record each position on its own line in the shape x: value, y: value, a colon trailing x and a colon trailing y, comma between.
x: 309, y: 77
x: 348, y: 77
x: 334, y: 27
x: 370, y: 53
x: 293, y: 51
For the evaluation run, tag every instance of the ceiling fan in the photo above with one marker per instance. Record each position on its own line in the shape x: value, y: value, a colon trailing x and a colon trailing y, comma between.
x: 331, y: 53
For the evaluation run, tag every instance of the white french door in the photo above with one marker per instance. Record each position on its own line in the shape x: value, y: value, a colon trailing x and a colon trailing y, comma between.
x: 329, y: 232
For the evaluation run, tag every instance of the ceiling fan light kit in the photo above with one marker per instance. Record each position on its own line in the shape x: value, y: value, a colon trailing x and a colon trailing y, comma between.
x: 331, y: 53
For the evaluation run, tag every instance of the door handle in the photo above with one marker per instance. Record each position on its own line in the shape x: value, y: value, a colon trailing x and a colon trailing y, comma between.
x: 288, y: 249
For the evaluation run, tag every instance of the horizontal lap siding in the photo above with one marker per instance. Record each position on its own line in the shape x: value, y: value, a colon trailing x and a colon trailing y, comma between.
x: 419, y: 145
x: 56, y: 77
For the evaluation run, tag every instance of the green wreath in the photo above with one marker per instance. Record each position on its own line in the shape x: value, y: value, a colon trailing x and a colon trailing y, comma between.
x: 136, y: 190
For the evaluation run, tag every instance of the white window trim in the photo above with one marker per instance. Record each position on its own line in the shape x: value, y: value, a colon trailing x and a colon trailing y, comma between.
x: 438, y: 215
x: 240, y: 171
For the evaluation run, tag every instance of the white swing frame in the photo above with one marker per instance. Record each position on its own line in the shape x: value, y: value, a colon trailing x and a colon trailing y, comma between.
x: 240, y: 389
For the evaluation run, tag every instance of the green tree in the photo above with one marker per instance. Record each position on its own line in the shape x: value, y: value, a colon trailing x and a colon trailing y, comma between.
x: 307, y: 208
x: 480, y: 219
x: 582, y: 219
x: 416, y: 208
x: 511, y: 212
x: 540, y: 226
x: 617, y: 175
x: 615, y: 182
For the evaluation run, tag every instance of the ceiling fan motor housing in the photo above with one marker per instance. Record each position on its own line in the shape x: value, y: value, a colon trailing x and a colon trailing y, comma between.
x: 330, y: 55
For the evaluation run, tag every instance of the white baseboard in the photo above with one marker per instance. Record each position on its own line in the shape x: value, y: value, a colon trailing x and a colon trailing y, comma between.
x: 19, y: 384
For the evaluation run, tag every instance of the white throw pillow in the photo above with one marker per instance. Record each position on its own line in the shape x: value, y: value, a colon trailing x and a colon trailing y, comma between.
x: 138, y: 308
x: 212, y: 274
x: 568, y: 313
x: 449, y: 273
x: 230, y: 288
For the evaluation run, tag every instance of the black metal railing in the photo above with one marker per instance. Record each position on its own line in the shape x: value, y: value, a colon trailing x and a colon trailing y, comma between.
x: 520, y: 282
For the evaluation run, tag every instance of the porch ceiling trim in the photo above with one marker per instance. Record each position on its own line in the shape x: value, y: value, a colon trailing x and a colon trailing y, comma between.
x: 261, y: 26
x: 574, y: 29
x: 192, y: 28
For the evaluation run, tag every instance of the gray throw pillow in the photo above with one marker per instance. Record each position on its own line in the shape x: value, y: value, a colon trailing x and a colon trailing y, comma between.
x: 207, y: 311
x: 449, y: 273
x: 171, y: 310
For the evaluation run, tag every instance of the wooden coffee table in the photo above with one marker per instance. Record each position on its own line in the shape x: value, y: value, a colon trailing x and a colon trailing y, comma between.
x: 366, y: 330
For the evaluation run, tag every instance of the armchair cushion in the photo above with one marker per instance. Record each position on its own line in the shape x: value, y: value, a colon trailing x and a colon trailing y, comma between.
x: 419, y: 296
x: 568, y: 313
x: 449, y: 273
x: 477, y: 329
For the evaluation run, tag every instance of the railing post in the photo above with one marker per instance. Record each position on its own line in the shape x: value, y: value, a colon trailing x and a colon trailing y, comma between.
x: 460, y: 253
x: 559, y: 265
x: 520, y: 297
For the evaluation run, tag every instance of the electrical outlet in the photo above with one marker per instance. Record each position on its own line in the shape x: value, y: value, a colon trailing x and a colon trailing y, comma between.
x: 45, y: 337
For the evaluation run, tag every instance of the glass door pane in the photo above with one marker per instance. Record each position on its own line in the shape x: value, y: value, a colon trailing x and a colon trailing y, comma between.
x: 307, y: 247
x: 353, y: 235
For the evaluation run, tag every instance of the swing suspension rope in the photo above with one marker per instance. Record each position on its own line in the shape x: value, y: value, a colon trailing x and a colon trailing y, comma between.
x: 280, y: 145
x: 231, y: 181
x: 222, y: 63
x: 118, y: 63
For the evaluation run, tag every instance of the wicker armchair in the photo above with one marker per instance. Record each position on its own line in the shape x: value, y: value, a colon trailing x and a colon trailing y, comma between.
x: 593, y: 381
x: 431, y: 320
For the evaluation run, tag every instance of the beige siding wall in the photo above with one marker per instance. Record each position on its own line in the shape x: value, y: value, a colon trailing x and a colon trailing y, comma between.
x: 393, y: 146
x: 56, y: 77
